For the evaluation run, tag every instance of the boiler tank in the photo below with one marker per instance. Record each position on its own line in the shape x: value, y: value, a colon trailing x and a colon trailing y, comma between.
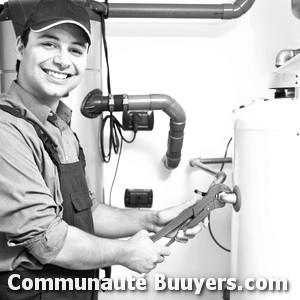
x: 265, y: 232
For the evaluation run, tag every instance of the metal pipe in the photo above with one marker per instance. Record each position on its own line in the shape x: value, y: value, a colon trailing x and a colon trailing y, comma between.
x: 188, y: 11
x: 227, y: 11
x: 220, y: 176
x: 95, y: 103
x: 228, y: 198
x: 222, y: 160
x: 195, y: 162
x: 285, y: 55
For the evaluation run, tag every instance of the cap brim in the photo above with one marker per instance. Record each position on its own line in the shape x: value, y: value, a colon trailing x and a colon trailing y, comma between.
x: 45, y: 26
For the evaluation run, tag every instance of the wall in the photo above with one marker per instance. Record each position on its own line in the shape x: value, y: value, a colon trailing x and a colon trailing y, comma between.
x: 210, y: 68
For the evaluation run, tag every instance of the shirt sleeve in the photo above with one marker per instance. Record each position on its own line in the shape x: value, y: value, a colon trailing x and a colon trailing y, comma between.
x: 29, y: 215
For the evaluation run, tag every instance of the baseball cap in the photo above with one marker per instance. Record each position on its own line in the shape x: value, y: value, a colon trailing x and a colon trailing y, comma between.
x: 49, y: 13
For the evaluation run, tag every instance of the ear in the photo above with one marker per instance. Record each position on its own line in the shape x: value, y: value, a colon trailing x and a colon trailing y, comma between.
x: 19, y: 48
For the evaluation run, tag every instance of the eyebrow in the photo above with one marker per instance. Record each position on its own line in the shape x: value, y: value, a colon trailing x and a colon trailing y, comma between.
x: 50, y: 36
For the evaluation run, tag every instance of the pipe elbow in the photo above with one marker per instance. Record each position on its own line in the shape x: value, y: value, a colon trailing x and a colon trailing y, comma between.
x: 168, y: 105
x: 237, y: 9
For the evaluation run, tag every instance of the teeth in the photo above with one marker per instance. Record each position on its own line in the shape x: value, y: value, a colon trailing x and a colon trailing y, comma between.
x: 57, y: 75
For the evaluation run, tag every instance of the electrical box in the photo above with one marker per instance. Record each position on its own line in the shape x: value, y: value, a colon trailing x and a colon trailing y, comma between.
x: 138, y: 198
x: 138, y: 120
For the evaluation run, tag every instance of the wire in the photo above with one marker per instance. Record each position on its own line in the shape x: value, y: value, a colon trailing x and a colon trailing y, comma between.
x: 225, y: 155
x: 209, y: 226
x: 106, y: 52
x: 115, y: 137
x: 213, y: 237
x: 116, y: 171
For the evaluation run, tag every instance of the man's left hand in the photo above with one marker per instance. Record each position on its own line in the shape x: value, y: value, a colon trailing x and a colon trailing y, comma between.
x: 165, y: 216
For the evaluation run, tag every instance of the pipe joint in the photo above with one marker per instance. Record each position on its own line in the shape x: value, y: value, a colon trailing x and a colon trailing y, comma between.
x: 237, y: 9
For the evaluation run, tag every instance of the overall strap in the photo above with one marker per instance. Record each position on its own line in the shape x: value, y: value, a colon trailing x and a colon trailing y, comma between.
x: 81, y: 155
x: 12, y: 110
x: 48, y: 143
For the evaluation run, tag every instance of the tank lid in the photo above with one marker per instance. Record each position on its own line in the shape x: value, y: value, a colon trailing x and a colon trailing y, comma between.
x: 273, y: 115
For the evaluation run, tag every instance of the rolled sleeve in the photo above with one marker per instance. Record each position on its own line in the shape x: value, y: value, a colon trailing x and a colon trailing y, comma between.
x: 46, y: 245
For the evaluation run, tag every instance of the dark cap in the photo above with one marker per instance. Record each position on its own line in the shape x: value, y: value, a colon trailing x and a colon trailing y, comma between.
x: 50, y: 13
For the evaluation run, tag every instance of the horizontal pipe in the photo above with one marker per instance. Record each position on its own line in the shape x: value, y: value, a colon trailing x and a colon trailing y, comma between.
x: 18, y: 10
x: 95, y: 103
x: 230, y: 198
x: 144, y: 10
x: 222, y: 160
x: 187, y: 11
x: 195, y: 162
x: 220, y: 176
x: 158, y: 102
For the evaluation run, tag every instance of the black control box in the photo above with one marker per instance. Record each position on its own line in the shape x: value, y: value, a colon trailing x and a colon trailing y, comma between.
x: 138, y: 120
x: 138, y: 198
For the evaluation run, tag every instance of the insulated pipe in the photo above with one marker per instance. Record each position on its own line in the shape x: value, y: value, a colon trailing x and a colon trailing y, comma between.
x: 95, y: 103
x: 188, y: 11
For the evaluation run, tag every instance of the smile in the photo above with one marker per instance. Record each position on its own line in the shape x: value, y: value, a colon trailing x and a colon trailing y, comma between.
x: 57, y: 75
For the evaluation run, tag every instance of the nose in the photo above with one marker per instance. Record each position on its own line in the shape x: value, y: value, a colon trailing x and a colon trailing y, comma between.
x: 62, y: 59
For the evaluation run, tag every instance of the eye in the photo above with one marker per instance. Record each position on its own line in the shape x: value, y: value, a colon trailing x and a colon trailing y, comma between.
x: 49, y: 45
x: 76, y: 51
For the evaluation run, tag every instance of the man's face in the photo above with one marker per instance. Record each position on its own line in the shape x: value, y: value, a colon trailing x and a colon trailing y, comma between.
x: 53, y: 62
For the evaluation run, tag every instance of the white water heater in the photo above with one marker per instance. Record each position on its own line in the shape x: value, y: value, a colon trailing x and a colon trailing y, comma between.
x: 265, y: 241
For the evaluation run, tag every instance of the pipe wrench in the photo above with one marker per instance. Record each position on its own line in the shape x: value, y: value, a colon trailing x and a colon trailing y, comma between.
x: 196, y: 213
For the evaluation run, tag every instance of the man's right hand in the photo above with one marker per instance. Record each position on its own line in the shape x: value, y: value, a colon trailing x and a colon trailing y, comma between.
x: 142, y: 254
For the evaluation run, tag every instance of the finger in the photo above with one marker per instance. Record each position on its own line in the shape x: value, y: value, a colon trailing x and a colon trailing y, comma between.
x: 180, y: 235
x: 205, y: 222
x: 191, y: 232
x: 181, y: 240
x: 165, y: 251
x: 161, y: 259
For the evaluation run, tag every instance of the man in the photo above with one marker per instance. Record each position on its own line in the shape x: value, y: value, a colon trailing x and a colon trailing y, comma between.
x: 49, y: 227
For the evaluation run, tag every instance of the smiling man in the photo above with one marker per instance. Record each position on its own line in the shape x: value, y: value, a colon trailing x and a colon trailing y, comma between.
x: 53, y: 62
x: 50, y: 226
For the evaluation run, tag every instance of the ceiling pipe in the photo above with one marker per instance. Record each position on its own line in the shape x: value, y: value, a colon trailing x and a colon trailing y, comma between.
x: 187, y: 11
x: 18, y: 11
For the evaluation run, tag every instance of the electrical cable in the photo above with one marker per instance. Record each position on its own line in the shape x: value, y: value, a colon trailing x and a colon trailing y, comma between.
x: 209, y: 226
x: 225, y: 155
x: 116, y: 171
x: 103, y: 31
x: 115, y: 137
x: 213, y: 237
